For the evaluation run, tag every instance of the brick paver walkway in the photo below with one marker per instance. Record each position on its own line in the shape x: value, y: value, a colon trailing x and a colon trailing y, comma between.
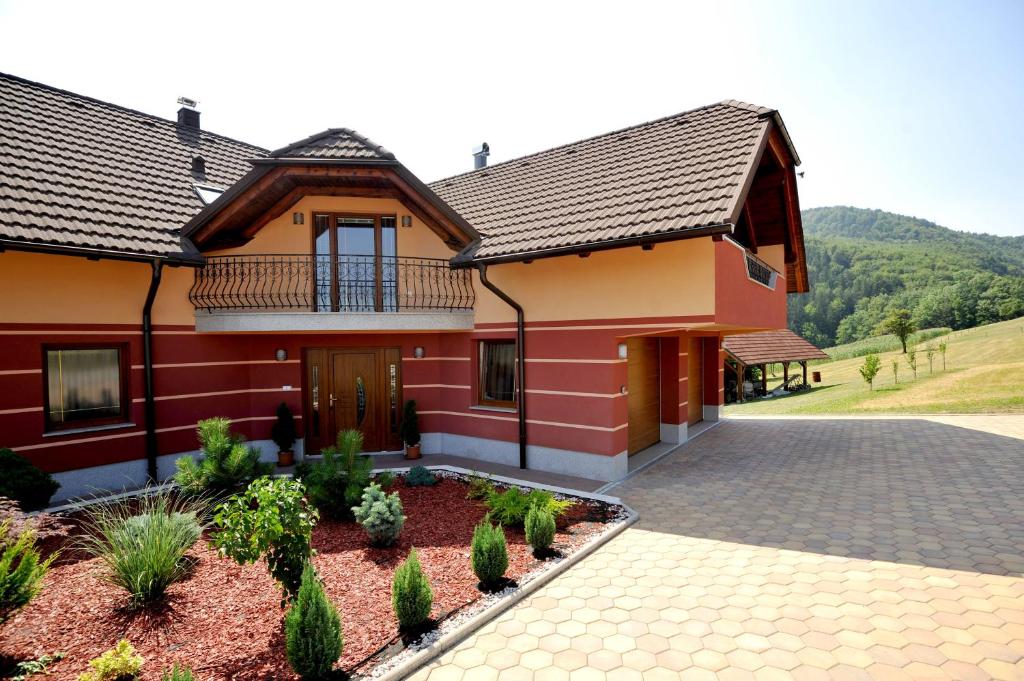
x: 803, y: 549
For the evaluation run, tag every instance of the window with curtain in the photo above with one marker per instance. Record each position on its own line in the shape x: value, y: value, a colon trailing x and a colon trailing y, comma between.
x: 85, y: 386
x: 498, y: 373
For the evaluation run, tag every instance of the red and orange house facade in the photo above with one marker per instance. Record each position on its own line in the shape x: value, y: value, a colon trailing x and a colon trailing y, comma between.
x: 561, y: 312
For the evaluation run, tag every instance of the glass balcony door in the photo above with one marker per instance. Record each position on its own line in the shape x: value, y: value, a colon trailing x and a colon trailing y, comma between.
x: 356, y: 264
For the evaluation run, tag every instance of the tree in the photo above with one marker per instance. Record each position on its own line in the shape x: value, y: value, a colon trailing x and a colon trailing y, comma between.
x: 912, y: 362
x: 896, y: 371
x: 930, y: 354
x: 870, y: 369
x: 942, y: 351
x: 900, y: 324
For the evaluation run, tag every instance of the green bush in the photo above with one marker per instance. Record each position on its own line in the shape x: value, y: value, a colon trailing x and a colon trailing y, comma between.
x: 479, y: 488
x: 21, y: 569
x: 178, y: 674
x: 119, y: 664
x: 489, y: 553
x: 283, y: 430
x: 386, y: 479
x: 23, y: 482
x: 510, y: 507
x: 26, y: 669
x: 142, y: 542
x: 409, y: 430
x: 540, y: 528
x: 418, y: 476
x: 380, y: 515
x: 313, y: 640
x: 227, y: 465
x: 411, y: 595
x: 336, y: 484
x: 270, y: 520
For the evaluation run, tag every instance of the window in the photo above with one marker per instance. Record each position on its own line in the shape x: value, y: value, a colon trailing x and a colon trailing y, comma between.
x: 85, y: 386
x: 207, y: 194
x: 498, y: 373
x: 356, y: 263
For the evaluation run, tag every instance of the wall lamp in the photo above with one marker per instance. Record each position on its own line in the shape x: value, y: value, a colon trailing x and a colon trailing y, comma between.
x: 281, y: 355
x: 623, y: 352
x: 406, y: 221
x: 418, y: 352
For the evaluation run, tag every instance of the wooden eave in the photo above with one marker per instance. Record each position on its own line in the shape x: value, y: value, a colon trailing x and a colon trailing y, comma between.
x: 275, y: 185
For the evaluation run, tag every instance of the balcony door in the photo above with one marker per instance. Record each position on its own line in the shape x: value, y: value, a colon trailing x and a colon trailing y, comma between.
x: 353, y: 388
x: 356, y: 264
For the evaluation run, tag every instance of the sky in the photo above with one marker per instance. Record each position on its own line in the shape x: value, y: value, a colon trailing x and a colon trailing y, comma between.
x: 912, y: 107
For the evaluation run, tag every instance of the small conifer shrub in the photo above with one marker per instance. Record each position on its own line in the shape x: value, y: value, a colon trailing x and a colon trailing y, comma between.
x: 540, y: 528
x: 411, y: 595
x: 380, y: 515
x: 118, y: 664
x: 419, y: 476
x: 313, y: 640
x: 489, y: 553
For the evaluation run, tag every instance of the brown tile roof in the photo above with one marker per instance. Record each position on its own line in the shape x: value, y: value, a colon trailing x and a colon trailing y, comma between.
x: 80, y: 173
x: 335, y: 143
x: 767, y: 347
x: 657, y: 179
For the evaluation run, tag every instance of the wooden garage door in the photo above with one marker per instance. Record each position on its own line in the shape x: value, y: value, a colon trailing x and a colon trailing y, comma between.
x: 695, y: 381
x: 643, y: 398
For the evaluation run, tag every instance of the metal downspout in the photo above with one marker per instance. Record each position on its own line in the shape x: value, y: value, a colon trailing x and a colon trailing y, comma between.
x: 520, y: 357
x: 147, y: 361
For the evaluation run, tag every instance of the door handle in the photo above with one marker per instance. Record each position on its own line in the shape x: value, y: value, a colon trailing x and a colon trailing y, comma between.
x: 332, y: 400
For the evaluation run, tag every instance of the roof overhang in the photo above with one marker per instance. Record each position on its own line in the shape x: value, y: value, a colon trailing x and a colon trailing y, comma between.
x: 187, y: 257
x: 276, y: 184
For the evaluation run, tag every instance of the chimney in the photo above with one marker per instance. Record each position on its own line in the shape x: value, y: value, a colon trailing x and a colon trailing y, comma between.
x: 188, y: 115
x: 480, y: 155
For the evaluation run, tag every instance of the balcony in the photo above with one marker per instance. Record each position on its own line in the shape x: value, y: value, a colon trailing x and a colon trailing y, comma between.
x: 331, y: 293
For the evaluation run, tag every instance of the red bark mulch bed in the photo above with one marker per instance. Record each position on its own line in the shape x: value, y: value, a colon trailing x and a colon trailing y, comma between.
x: 225, y: 620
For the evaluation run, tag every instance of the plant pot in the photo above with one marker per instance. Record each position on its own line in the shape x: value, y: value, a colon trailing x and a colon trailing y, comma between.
x: 412, y: 451
x: 285, y: 459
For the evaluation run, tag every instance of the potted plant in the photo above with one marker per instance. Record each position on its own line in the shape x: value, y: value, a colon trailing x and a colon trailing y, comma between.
x: 410, y: 430
x: 283, y: 435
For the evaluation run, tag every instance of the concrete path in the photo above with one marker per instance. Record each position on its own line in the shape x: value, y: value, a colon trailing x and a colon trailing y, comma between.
x: 792, y: 549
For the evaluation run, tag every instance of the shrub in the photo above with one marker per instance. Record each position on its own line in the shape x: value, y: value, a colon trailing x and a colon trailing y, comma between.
x: 509, y: 508
x: 540, y: 528
x: 178, y: 674
x: 411, y: 595
x: 21, y: 568
x: 870, y: 369
x: 26, y: 669
x: 418, y: 476
x: 409, y: 430
x: 312, y: 627
x: 489, y: 553
x: 119, y: 664
x: 336, y: 484
x: 142, y: 542
x: 227, y: 465
x: 479, y: 488
x: 272, y: 520
x: 283, y: 430
x: 385, y: 479
x: 23, y: 482
x: 380, y: 515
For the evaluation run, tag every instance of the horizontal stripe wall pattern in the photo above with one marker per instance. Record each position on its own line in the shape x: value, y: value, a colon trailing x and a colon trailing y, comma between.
x: 576, y: 386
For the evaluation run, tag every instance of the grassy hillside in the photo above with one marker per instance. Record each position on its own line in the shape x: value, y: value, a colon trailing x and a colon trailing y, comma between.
x: 864, y: 263
x: 984, y: 374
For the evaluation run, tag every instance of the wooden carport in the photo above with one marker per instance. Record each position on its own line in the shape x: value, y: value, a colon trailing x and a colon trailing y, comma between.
x: 760, y: 349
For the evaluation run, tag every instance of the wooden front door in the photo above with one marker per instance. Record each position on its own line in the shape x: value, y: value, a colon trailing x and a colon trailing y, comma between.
x: 643, y: 398
x: 695, y: 381
x: 357, y: 388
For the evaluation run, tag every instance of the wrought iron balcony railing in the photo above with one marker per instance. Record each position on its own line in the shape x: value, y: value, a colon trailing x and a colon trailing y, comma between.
x: 327, y: 283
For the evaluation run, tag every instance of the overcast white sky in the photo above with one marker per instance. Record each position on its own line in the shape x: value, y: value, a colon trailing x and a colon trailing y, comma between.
x: 913, y: 107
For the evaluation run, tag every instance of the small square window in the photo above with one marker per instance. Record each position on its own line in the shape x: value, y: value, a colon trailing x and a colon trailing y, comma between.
x: 498, y: 373
x: 85, y: 386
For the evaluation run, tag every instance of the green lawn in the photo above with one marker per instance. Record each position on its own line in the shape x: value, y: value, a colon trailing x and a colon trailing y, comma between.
x: 984, y: 374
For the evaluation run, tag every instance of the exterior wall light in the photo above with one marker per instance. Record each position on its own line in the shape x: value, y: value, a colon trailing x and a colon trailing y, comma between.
x: 622, y: 351
x: 298, y: 218
x: 418, y: 352
x: 406, y: 221
x: 281, y: 354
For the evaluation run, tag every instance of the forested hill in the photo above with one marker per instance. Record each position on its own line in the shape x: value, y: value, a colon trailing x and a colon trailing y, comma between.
x: 863, y: 263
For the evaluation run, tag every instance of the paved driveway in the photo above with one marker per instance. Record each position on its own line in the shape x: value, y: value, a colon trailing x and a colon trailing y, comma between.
x: 806, y: 549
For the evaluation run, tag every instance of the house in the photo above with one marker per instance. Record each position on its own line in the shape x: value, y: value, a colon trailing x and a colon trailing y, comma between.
x: 560, y: 311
